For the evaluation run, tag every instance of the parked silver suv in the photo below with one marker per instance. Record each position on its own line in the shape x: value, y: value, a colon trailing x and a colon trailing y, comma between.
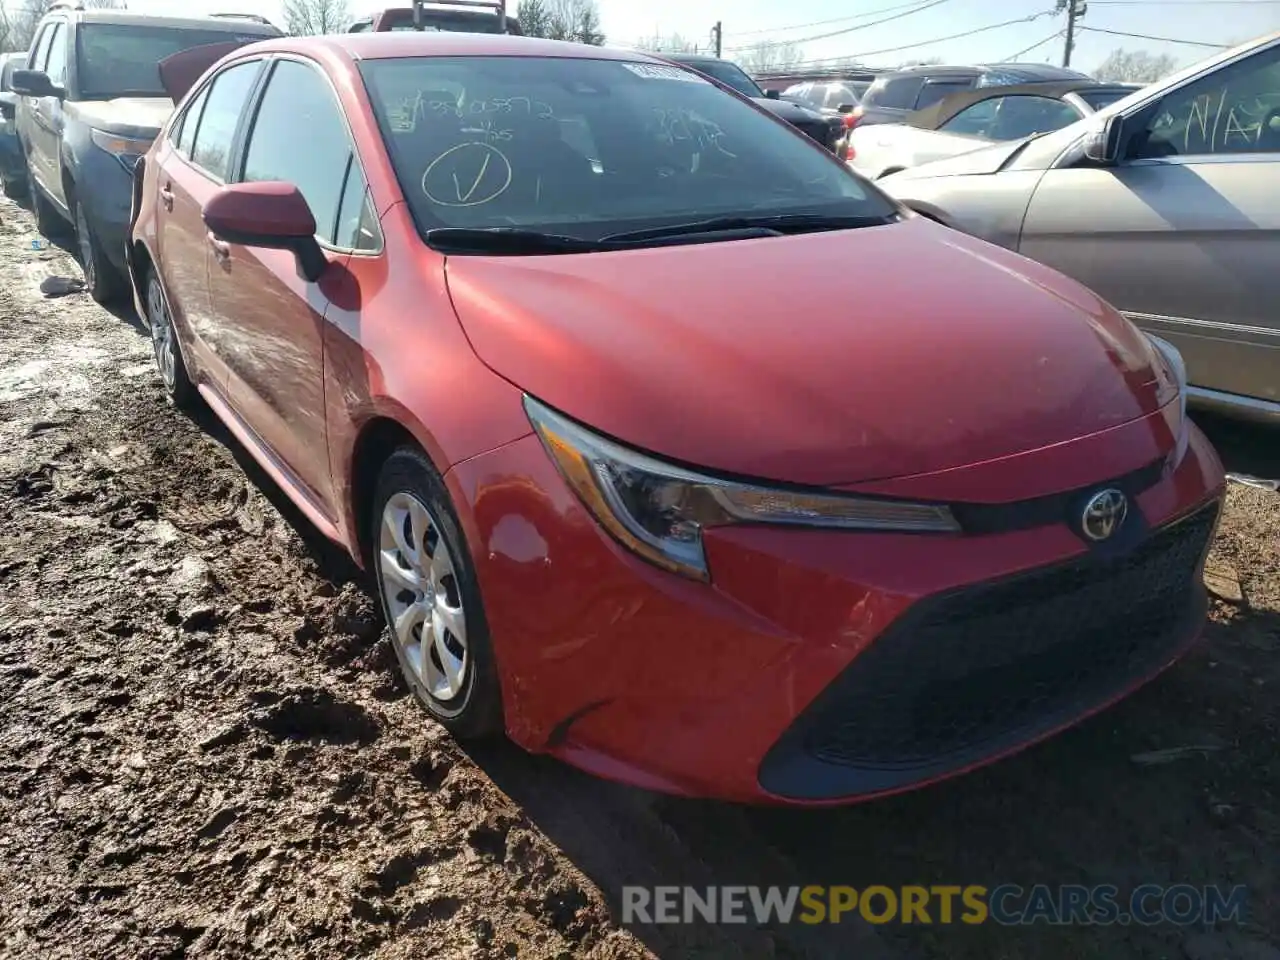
x: 1166, y: 203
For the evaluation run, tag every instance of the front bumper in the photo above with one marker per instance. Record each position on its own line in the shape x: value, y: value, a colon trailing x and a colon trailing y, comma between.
x: 820, y: 666
x: 106, y: 190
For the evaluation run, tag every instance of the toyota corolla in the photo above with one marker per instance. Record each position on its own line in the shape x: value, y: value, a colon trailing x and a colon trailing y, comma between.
x: 674, y: 448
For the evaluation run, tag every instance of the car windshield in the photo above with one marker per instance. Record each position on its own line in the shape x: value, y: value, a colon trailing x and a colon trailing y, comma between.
x: 122, y: 59
x: 1097, y: 99
x: 589, y: 148
x: 730, y: 74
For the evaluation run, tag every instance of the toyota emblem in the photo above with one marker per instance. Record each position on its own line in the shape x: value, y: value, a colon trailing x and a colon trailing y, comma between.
x: 1104, y: 514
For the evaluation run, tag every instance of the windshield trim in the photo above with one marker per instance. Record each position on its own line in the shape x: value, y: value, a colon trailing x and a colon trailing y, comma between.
x: 874, y: 194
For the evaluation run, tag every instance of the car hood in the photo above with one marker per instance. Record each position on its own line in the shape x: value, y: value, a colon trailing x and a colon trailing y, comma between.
x: 825, y: 358
x: 140, y: 117
x: 971, y: 163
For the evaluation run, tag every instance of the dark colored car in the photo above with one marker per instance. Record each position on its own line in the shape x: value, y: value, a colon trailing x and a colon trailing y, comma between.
x: 444, y: 15
x: 894, y: 95
x: 576, y: 352
x: 90, y: 103
x: 828, y: 130
x: 13, y: 173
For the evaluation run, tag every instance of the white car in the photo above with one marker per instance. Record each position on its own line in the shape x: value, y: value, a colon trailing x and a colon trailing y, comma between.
x: 974, y: 119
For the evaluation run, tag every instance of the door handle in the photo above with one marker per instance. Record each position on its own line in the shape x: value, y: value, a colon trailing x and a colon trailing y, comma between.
x: 221, y: 249
x: 166, y: 197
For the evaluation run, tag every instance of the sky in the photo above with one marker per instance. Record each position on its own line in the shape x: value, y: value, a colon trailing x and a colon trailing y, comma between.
x: 748, y: 21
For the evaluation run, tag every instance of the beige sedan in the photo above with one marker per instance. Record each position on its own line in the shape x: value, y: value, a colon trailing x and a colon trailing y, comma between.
x: 1167, y: 203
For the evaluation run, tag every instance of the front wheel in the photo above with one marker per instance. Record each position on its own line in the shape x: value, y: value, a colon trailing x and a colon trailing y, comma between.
x: 431, y: 599
x: 101, y: 278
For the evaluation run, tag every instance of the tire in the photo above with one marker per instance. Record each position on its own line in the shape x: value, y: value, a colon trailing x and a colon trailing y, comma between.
x: 170, y: 360
x: 423, y: 596
x: 15, y: 188
x: 101, y: 278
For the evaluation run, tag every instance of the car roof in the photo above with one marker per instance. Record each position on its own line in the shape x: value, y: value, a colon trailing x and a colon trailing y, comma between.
x: 124, y: 18
x: 1027, y: 70
x: 936, y: 114
x: 410, y: 43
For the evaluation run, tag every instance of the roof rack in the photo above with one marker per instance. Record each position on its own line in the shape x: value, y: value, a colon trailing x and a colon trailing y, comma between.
x: 497, y: 7
x: 255, y: 17
x: 65, y: 5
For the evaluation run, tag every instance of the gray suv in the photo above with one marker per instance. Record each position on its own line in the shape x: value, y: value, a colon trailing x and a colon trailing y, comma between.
x: 90, y: 102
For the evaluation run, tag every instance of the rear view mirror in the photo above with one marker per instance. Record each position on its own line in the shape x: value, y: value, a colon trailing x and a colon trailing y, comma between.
x: 34, y: 83
x: 270, y: 214
x: 1102, y: 144
x: 773, y: 94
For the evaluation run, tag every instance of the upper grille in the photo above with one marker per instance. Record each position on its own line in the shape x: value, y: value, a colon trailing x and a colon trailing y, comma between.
x: 969, y: 671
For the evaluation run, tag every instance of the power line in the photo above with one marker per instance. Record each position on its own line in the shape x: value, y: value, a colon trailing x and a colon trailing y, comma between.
x: 823, y: 23
x: 925, y: 43
x: 1143, y: 36
x: 861, y: 26
x: 1022, y: 53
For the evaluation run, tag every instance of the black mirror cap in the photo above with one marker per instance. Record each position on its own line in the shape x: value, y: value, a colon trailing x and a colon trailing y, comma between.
x: 773, y: 94
x: 34, y: 83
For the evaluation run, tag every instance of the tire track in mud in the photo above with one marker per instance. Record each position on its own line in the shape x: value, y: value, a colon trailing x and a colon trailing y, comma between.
x: 204, y: 746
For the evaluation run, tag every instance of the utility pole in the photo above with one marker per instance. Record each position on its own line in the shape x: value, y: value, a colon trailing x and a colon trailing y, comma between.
x: 1074, y: 9
x: 717, y: 34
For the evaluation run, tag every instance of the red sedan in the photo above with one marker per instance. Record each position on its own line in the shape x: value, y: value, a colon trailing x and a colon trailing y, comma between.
x: 677, y: 450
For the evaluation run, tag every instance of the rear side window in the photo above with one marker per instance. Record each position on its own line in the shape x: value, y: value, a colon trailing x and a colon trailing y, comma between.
x: 189, y: 122
x: 300, y: 137
x: 223, y: 106
x: 896, y: 93
x: 935, y: 90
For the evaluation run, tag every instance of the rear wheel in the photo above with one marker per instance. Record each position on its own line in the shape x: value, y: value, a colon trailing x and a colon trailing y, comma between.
x: 15, y: 187
x: 431, y: 599
x: 101, y: 278
x: 164, y: 338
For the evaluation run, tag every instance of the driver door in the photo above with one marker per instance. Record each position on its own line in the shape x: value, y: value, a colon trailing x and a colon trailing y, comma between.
x: 1181, y: 234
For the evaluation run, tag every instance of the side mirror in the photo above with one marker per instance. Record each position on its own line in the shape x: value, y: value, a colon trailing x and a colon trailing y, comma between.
x: 270, y: 214
x: 1102, y: 144
x: 847, y: 107
x: 35, y: 83
x: 773, y: 94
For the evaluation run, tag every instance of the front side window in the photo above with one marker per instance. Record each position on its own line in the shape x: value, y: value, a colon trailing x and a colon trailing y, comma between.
x: 485, y: 142
x: 1236, y: 109
x: 56, y: 65
x: 228, y: 94
x: 121, y: 60
x: 731, y: 75
x: 1012, y: 118
x: 299, y: 137
x: 40, y: 49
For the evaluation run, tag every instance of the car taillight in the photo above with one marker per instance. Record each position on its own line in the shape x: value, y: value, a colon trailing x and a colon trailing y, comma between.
x: 851, y: 119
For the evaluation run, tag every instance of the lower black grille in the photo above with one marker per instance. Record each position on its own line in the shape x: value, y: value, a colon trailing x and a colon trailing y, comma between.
x: 975, y: 671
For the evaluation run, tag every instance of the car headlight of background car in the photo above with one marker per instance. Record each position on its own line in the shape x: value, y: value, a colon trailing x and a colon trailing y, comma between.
x: 125, y: 149
x: 1176, y: 366
x: 659, y: 510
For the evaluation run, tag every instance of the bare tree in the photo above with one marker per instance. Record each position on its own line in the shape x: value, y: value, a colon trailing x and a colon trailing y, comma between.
x: 307, y: 18
x: 1136, y: 66
x: 21, y: 18
x: 769, y: 55
x: 577, y: 20
x: 671, y: 43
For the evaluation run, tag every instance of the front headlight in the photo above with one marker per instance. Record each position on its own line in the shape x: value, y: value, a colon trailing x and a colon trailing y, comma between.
x: 659, y: 510
x: 125, y: 149
x: 1176, y: 365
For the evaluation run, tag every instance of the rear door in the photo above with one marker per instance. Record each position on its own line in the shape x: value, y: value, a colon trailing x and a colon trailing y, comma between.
x: 1182, y: 233
x: 190, y: 173
x: 273, y: 318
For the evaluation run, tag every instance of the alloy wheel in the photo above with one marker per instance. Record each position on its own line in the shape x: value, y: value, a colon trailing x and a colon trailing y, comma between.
x: 423, y: 598
x: 162, y: 332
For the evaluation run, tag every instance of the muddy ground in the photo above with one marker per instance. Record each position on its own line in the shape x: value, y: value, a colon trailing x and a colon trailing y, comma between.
x: 204, y: 749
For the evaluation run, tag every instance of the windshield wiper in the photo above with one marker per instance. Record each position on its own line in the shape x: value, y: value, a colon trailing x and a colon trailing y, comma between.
x: 511, y: 240
x: 778, y: 224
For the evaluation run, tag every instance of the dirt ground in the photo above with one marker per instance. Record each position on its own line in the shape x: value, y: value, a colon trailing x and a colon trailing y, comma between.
x: 204, y: 749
